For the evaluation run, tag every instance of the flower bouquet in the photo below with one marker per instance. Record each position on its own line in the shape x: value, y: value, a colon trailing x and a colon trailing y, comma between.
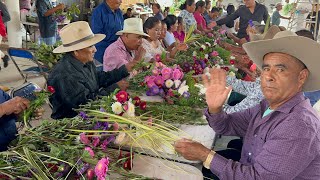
x: 166, y: 82
x: 71, y: 12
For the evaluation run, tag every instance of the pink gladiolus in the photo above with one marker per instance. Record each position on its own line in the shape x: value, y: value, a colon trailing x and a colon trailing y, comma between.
x: 104, y: 144
x: 90, y: 151
x: 84, y: 139
x: 214, y: 54
x: 96, y: 141
x: 101, y: 168
x: 177, y: 74
x: 166, y: 73
x: 159, y: 80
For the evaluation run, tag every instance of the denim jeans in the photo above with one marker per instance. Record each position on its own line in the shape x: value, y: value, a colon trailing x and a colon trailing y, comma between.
x: 8, y: 131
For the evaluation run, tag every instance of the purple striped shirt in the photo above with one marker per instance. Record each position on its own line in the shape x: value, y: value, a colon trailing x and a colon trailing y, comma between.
x: 283, y: 145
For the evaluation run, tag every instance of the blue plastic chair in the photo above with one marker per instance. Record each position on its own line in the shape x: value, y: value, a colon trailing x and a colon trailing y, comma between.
x: 34, y: 70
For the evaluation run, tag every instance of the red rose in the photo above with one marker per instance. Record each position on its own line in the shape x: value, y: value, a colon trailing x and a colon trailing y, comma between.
x: 136, y: 101
x: 122, y: 96
x: 53, y: 167
x: 226, y: 68
x: 51, y: 89
x: 143, y: 105
x: 232, y: 61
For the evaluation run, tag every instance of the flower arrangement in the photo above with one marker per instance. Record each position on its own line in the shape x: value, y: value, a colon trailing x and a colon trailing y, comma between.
x: 72, y: 11
x: 125, y: 106
x: 166, y: 82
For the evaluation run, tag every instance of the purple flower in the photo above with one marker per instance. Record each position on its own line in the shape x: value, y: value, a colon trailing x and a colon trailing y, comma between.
x: 154, y: 90
x: 102, y: 109
x: 203, y: 64
x: 186, y: 94
x: 83, y: 115
x: 83, y: 169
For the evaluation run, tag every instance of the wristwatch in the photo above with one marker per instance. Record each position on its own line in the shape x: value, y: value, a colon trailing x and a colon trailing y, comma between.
x: 210, y: 156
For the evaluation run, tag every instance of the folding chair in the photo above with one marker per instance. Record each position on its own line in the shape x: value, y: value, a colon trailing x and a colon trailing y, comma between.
x: 34, y: 70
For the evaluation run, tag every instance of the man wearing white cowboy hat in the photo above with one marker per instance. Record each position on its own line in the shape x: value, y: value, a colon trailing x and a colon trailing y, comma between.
x: 75, y: 78
x: 128, y: 46
x: 282, y: 133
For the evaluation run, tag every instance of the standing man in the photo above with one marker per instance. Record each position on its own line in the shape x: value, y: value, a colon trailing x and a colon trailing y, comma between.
x: 281, y: 134
x: 106, y: 19
x: 47, y: 26
x: 276, y: 15
x: 251, y: 11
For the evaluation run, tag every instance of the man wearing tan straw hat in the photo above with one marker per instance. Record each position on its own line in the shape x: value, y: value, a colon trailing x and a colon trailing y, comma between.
x: 75, y: 78
x: 128, y: 46
x: 281, y: 134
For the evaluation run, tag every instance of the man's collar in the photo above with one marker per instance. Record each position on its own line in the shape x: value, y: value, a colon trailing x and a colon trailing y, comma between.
x: 109, y: 9
x: 287, y: 106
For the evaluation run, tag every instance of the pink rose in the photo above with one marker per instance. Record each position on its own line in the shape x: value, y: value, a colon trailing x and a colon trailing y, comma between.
x: 159, y: 80
x: 214, y: 54
x: 166, y: 73
x: 177, y: 74
x: 150, y: 81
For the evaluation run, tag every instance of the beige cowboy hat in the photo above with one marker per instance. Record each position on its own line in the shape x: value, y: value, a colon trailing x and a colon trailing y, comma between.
x: 132, y: 26
x: 77, y: 35
x: 272, y: 31
x: 303, y: 48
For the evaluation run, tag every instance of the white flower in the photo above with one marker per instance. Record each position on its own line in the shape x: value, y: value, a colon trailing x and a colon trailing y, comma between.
x: 177, y: 83
x: 232, y: 74
x: 203, y: 47
x: 194, y: 53
x: 206, y: 56
x: 208, y: 44
x: 131, y: 111
x: 221, y: 61
x: 232, y: 57
x: 120, y: 138
x: 116, y: 107
x: 169, y: 83
x: 201, y: 88
x: 183, y: 89
x: 206, y: 70
x: 217, y: 66
x: 183, y: 83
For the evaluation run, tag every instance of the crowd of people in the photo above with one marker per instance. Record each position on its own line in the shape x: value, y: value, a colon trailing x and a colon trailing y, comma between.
x: 276, y: 121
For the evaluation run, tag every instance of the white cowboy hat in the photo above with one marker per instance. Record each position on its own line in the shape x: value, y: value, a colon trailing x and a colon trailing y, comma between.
x: 302, y: 48
x: 272, y: 31
x: 77, y: 35
x: 132, y: 26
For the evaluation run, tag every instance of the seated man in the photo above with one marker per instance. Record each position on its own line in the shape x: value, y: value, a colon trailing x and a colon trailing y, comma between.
x: 281, y: 134
x: 122, y: 51
x: 75, y: 78
x: 9, y: 108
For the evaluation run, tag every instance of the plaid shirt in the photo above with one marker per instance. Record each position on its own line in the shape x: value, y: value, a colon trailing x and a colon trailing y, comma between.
x: 282, y: 145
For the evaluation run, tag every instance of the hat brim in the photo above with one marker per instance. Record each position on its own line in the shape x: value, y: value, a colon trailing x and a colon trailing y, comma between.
x: 87, y: 43
x: 119, y: 33
x: 304, y: 49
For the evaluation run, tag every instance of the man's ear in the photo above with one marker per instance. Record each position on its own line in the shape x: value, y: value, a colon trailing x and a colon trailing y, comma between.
x: 303, y: 76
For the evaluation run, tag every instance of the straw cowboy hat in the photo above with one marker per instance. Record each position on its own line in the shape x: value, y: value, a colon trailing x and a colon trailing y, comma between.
x: 133, y: 26
x: 272, y: 31
x: 77, y: 35
x: 303, y: 48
